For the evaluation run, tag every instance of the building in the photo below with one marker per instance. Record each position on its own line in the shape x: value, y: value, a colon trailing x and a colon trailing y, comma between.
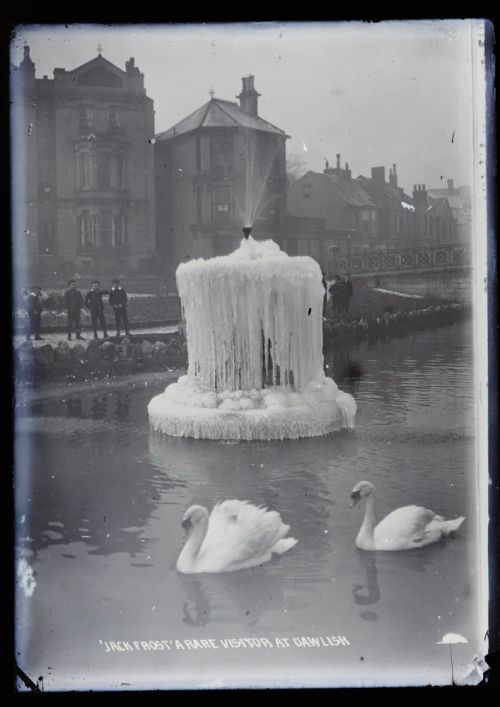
x: 405, y: 221
x: 84, y: 168
x: 218, y: 169
x: 396, y: 210
x: 459, y: 199
x: 348, y: 213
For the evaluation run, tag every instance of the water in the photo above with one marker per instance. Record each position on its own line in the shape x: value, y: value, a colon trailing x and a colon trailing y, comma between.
x: 99, y: 511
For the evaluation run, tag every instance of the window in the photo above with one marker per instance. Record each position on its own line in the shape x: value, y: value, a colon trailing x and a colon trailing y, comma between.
x: 105, y: 229
x: 118, y: 174
x: 102, y: 230
x: 222, y: 202
x: 86, y: 117
x: 307, y: 191
x: 292, y: 246
x: 46, y: 242
x: 315, y: 249
x: 84, y: 171
x: 120, y: 231
x: 113, y: 118
x: 103, y: 171
x: 222, y: 152
x: 368, y: 221
x: 86, y: 230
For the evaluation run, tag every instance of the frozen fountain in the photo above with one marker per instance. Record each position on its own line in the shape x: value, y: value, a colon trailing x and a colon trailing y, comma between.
x: 254, y: 332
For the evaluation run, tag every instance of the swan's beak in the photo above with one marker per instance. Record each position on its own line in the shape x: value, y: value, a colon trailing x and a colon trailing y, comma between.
x: 355, y: 496
x: 186, y: 524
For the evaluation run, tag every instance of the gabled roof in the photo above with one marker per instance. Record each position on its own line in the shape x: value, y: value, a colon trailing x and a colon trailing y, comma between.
x: 218, y: 113
x: 100, y: 61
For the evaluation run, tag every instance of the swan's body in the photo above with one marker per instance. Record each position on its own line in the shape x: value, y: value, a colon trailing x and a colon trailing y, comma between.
x: 236, y: 535
x: 403, y: 529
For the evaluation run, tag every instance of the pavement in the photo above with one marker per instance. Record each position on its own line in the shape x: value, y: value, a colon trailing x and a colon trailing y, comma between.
x: 54, y: 338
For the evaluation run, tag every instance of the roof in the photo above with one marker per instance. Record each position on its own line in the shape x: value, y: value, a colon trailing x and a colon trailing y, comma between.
x: 218, y: 113
x: 383, y: 191
x: 347, y: 189
x: 438, y: 206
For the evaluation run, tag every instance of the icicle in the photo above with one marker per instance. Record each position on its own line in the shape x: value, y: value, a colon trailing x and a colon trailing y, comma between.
x: 255, y: 347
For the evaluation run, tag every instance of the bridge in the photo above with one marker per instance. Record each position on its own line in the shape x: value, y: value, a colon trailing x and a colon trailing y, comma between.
x: 443, y: 271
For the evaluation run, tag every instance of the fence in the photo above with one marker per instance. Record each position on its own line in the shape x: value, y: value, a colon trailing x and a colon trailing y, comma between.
x: 423, y: 258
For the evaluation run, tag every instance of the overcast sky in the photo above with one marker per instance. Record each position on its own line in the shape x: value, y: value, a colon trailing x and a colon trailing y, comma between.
x: 377, y: 93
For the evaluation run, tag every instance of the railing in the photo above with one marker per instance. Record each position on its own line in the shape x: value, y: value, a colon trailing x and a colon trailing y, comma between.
x: 406, y: 259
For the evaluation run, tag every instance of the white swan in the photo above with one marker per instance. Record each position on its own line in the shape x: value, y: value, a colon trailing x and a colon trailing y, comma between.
x: 235, y: 536
x: 403, y: 529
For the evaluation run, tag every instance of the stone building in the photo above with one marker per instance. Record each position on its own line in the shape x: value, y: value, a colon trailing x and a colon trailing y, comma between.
x: 83, y: 168
x: 218, y: 169
x: 460, y: 201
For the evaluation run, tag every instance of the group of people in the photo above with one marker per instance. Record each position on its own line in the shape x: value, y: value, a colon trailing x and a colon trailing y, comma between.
x: 341, y: 292
x: 74, y: 303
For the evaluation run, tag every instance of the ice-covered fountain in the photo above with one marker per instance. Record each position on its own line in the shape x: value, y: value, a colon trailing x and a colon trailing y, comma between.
x: 255, y: 349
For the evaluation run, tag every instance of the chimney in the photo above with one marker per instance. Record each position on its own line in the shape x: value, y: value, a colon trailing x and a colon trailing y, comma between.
x: 347, y: 171
x: 130, y: 67
x: 450, y: 185
x: 249, y: 97
x: 338, y: 160
x: 378, y: 175
x: 393, y: 177
x: 27, y: 64
x: 420, y: 195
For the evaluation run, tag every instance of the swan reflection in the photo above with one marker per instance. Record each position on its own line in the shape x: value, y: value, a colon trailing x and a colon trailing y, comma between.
x: 241, y: 598
x: 369, y: 565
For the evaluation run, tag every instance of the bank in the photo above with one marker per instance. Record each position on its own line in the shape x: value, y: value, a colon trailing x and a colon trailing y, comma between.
x: 84, y: 363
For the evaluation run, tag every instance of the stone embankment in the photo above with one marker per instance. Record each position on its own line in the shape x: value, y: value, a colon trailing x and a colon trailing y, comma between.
x: 391, y: 323
x: 77, y: 361
x: 96, y: 359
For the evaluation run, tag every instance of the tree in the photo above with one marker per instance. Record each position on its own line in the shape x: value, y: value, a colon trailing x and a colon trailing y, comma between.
x: 296, y: 167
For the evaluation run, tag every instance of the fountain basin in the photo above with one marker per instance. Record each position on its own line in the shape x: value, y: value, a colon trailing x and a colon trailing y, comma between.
x: 185, y: 409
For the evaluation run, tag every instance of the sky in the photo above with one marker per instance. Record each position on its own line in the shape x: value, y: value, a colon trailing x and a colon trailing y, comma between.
x: 377, y: 93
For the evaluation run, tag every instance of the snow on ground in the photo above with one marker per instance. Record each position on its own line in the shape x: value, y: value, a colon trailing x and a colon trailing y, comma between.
x: 398, y: 294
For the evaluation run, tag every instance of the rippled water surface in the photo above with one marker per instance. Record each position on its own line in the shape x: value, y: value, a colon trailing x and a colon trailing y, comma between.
x: 99, y: 504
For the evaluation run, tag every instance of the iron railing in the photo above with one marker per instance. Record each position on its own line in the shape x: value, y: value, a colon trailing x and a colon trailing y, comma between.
x: 405, y: 259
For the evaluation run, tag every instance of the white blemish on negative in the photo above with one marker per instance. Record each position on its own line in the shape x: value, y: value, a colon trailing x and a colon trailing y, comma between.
x: 26, y: 578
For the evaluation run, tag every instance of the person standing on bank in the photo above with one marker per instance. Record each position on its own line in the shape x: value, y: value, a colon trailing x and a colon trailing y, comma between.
x: 348, y: 291
x: 73, y: 299
x: 34, y: 309
x: 118, y: 300
x: 93, y: 302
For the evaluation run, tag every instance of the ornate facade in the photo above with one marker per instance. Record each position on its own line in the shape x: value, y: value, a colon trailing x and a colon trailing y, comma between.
x: 84, y: 167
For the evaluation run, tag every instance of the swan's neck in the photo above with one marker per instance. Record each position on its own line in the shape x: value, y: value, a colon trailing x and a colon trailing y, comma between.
x: 189, y: 553
x: 365, y: 536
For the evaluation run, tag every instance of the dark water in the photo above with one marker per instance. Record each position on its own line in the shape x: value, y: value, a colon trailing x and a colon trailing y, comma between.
x: 100, y: 500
